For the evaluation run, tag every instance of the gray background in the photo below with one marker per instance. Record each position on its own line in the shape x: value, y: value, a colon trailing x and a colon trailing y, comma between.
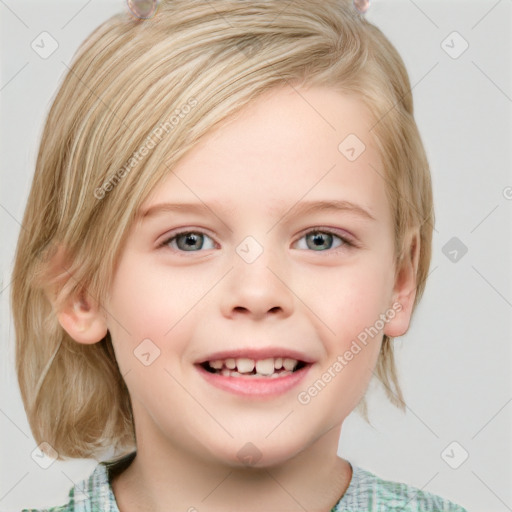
x: 454, y: 362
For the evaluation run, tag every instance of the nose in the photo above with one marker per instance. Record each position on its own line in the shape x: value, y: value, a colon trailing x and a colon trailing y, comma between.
x: 258, y: 289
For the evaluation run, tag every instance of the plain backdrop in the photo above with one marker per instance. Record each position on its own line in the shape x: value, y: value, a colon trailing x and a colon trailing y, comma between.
x: 454, y: 363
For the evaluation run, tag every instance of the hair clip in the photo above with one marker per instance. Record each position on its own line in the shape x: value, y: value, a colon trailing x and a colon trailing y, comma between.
x: 362, y: 5
x: 143, y: 9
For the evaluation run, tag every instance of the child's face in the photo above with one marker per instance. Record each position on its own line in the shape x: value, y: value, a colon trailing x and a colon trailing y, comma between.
x: 256, y: 282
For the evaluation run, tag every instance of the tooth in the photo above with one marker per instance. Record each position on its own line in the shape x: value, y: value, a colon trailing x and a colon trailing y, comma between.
x: 226, y: 372
x: 289, y: 364
x: 265, y: 366
x: 216, y: 365
x: 280, y: 374
x: 230, y: 363
x: 278, y: 363
x: 244, y: 365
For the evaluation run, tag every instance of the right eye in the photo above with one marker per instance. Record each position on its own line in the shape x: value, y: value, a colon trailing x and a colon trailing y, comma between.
x: 188, y: 241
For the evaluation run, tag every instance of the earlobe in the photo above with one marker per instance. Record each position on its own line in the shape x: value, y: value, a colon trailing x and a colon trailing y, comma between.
x: 404, y: 292
x: 83, y: 321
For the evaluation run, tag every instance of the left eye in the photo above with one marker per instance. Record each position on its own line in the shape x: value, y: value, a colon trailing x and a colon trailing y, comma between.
x: 321, y: 241
x: 316, y: 240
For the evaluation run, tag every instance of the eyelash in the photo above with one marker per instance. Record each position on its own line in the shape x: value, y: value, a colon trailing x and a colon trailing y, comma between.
x: 347, y: 243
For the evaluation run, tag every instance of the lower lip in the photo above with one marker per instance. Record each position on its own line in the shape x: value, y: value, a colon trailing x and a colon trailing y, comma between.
x: 253, y: 386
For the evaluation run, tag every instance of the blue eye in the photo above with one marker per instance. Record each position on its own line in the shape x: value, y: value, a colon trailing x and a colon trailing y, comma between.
x: 322, y: 241
x: 188, y: 241
x: 315, y: 240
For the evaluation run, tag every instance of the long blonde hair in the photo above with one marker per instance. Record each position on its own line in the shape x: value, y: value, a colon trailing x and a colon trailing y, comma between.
x: 163, y: 83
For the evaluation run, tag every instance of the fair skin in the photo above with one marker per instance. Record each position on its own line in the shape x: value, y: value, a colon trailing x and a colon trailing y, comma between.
x: 252, y: 173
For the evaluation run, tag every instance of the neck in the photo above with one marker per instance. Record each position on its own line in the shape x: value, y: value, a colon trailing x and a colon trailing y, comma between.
x: 161, y: 479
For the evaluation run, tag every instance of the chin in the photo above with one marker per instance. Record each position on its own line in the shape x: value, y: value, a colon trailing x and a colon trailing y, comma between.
x: 257, y: 455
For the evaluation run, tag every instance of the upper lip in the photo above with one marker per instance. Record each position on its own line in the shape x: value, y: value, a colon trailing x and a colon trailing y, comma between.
x: 257, y: 354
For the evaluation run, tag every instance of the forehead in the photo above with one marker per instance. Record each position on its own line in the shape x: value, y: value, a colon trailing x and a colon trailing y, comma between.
x: 288, y: 145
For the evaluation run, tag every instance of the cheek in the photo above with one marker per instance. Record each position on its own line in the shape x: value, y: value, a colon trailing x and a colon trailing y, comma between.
x: 350, y: 298
x: 152, y: 302
x: 136, y: 298
x: 143, y: 297
x: 136, y: 310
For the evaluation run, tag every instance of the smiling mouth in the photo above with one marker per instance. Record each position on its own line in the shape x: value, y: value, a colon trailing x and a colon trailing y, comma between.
x: 250, y: 368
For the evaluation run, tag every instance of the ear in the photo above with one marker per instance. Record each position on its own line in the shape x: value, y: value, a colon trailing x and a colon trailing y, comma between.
x: 404, y: 291
x: 79, y: 315
x: 83, y: 320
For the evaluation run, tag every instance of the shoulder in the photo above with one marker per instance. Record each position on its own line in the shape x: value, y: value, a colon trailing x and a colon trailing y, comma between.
x: 93, y: 494
x: 367, y: 492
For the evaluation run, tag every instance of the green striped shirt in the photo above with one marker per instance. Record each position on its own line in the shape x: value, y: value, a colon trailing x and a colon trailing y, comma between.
x: 365, y: 493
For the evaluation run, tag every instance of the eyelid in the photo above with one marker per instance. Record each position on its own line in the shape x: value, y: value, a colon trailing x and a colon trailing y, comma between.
x: 348, y: 240
x: 183, y: 231
x: 341, y: 233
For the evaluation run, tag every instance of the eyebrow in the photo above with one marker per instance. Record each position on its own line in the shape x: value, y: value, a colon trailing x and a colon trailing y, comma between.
x: 301, y: 208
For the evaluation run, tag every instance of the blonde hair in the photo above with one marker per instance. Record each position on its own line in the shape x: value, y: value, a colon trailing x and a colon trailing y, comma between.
x: 130, y: 79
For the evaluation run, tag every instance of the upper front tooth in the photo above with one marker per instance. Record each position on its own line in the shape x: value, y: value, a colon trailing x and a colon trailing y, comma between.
x: 289, y: 364
x: 244, y: 365
x: 265, y: 366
